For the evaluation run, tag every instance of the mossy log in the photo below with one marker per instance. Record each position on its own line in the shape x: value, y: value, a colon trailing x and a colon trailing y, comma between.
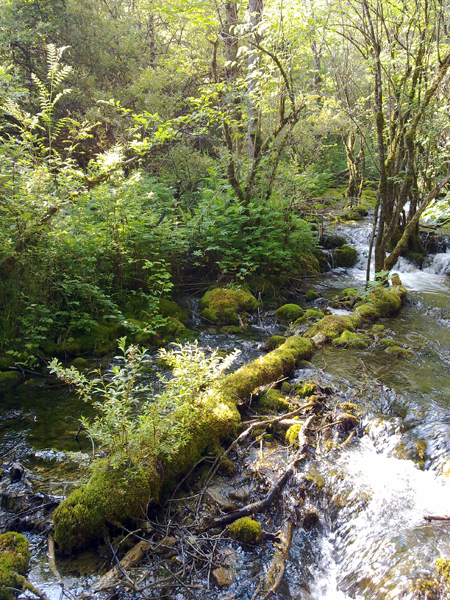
x: 122, y: 486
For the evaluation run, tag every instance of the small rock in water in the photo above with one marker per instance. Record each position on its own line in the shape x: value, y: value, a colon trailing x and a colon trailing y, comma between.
x: 223, y: 577
x: 16, y: 472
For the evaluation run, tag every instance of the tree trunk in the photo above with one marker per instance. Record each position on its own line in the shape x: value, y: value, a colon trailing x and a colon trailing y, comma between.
x: 255, y: 8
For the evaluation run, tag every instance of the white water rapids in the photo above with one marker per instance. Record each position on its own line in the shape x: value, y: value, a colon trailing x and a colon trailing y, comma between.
x: 376, y: 543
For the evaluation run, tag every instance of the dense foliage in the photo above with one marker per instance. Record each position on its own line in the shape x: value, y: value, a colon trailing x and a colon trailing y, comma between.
x: 150, y: 143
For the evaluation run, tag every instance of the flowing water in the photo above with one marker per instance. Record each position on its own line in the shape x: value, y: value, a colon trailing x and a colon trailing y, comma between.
x: 373, y: 541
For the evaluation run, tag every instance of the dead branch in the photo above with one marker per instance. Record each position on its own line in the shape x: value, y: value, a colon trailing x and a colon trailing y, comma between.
x: 131, y: 558
x: 277, y: 566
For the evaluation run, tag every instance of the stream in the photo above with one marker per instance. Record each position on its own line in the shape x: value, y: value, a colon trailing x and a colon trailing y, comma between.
x: 373, y: 540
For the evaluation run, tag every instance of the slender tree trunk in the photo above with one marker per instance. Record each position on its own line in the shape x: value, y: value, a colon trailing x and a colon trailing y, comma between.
x: 255, y: 8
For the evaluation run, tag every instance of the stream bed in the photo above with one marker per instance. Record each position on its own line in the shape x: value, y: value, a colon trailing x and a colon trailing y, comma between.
x: 373, y: 541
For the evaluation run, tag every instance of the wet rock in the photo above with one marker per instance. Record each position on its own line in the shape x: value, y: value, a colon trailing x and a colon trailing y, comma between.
x: 310, y: 519
x: 330, y: 241
x: 223, y: 577
x: 241, y: 494
x: 219, y: 493
x: 16, y: 472
x: 230, y: 558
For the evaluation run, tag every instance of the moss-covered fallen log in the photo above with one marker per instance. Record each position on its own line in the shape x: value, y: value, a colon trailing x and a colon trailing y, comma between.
x: 123, y: 485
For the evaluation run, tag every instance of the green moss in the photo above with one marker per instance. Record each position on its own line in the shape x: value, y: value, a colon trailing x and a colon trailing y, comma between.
x: 331, y: 326
x: 9, y: 377
x: 346, y: 256
x: 272, y: 401
x: 310, y: 315
x: 321, y: 260
x: 349, y: 293
x: 288, y: 313
x: 351, y: 340
x: 14, y: 560
x: 351, y: 215
x: 331, y: 240
x: 231, y: 329
x: 100, y: 340
x: 305, y: 388
x: 222, y: 305
x: 416, y: 257
x: 400, y: 352
x: 227, y: 466
x: 122, y: 486
x: 443, y: 567
x: 286, y: 387
x: 246, y: 531
x: 174, y: 328
x: 387, y: 302
x: 275, y: 341
x: 79, y: 363
x: 292, y: 434
x: 365, y: 313
x: 387, y: 342
x: 171, y: 309
x: 6, y: 362
x: 311, y: 295
x: 378, y: 328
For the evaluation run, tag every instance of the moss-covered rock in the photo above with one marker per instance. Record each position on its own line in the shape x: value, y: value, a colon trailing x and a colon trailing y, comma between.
x: 387, y: 342
x: 333, y: 240
x: 400, y: 352
x: 311, y: 314
x: 331, y: 326
x: 14, y: 560
x: 9, y: 377
x: 305, y: 388
x: 246, y: 531
x: 272, y: 402
x: 285, y: 387
x: 387, y: 302
x: 100, y: 340
x: 79, y: 363
x: 416, y: 257
x: 171, y: 309
x: 274, y: 341
x: 230, y: 329
x: 311, y: 295
x: 346, y: 256
x: 6, y: 362
x: 289, y: 313
x: 351, y: 340
x: 365, y: 313
x: 321, y: 258
x: 222, y: 305
x: 292, y: 434
x: 174, y: 328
